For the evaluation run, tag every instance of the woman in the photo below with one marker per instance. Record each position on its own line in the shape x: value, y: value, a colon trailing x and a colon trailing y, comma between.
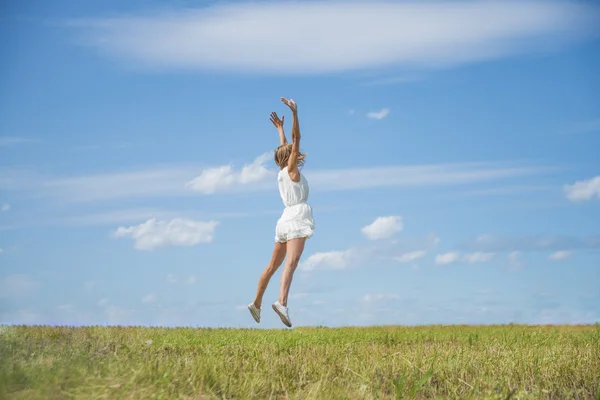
x: 296, y: 223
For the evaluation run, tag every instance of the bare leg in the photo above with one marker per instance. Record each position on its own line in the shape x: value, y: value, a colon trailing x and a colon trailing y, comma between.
x: 276, y: 260
x: 295, y: 247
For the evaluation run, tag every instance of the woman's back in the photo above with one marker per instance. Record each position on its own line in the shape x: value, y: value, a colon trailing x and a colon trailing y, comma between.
x: 292, y: 193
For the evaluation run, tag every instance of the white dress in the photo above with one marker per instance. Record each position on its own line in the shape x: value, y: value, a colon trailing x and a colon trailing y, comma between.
x: 297, y: 219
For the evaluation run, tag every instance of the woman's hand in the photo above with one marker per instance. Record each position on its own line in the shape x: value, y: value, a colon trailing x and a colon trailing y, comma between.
x: 276, y: 121
x: 279, y: 125
x: 291, y: 104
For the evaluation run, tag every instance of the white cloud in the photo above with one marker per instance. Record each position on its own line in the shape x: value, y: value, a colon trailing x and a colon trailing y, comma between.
x: 381, y: 114
x: 171, y: 278
x: 149, y: 298
x: 118, y: 315
x: 6, y: 141
x: 470, y: 258
x: 415, y: 175
x: 5, y: 207
x: 559, y: 255
x: 492, y: 243
x: 103, y: 302
x: 590, y: 126
x: 68, y: 308
x: 369, y: 298
x: 20, y: 317
x: 583, y: 190
x: 190, y: 280
x: 365, y: 34
x: 212, y: 180
x: 392, y: 80
x: 327, y: 260
x: 151, y: 182
x: 383, y: 227
x: 298, y: 296
x: 171, y: 181
x: 16, y: 286
x: 410, y: 256
x: 1, y: 250
x: 112, y: 217
x: 177, y: 232
x: 477, y: 257
x: 514, y: 260
x: 503, y: 190
x: 447, y: 258
x: 372, y: 253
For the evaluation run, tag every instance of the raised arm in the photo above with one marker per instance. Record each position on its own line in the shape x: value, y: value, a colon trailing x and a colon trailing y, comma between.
x: 279, y: 125
x: 293, y: 160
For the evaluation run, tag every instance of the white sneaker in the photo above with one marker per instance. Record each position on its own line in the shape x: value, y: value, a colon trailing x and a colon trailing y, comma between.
x: 283, y: 313
x: 255, y: 312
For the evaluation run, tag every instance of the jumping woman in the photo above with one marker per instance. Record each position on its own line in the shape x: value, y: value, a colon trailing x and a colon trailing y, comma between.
x: 295, y: 225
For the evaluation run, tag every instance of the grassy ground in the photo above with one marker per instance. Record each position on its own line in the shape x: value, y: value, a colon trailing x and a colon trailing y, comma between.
x: 304, y: 363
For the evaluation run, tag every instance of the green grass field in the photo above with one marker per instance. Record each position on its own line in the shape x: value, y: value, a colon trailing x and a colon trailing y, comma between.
x: 456, y: 362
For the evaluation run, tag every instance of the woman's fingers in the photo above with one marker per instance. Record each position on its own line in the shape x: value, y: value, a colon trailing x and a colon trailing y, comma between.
x: 275, y: 119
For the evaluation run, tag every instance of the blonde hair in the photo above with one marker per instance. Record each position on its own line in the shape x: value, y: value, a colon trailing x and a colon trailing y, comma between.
x: 282, y: 155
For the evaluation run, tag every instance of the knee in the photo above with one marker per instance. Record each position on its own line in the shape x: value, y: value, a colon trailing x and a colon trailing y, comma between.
x: 270, y: 270
x: 294, y: 259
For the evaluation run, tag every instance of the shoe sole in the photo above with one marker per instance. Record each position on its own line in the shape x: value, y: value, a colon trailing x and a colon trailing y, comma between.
x: 256, y: 317
x: 285, y: 321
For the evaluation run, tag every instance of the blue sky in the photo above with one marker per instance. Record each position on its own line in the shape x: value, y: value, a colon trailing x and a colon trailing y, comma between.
x: 452, y: 157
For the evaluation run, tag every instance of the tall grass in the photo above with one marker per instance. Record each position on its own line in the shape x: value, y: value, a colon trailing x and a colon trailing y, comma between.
x: 454, y: 362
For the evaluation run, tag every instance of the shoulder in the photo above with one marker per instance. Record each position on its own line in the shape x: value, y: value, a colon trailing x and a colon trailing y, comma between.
x: 282, y: 172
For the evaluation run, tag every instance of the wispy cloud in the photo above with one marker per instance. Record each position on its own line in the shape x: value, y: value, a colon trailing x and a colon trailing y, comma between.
x: 447, y: 258
x: 381, y: 114
x: 22, y: 316
x: 514, y: 260
x: 179, y: 181
x: 383, y: 227
x: 428, y: 175
x: 177, y: 232
x: 16, y: 286
x: 591, y: 126
x: 5, y: 207
x: 152, y: 182
x: 410, y: 256
x: 149, y: 298
x: 6, y: 141
x: 392, y: 80
x: 469, y: 258
x: 559, y: 255
x: 477, y: 257
x: 583, y: 190
x: 369, y: 298
x: 366, y: 35
x: 373, y: 251
x: 190, y: 280
x: 494, y: 243
x: 504, y: 190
